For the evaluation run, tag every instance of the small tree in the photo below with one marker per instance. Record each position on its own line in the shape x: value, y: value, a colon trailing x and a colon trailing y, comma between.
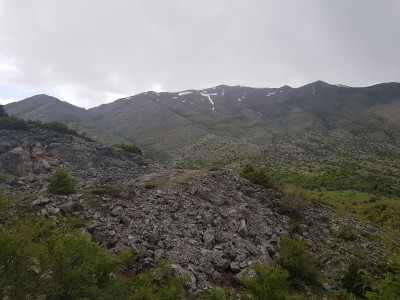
x: 61, y: 183
x: 3, y: 113
x: 295, y: 258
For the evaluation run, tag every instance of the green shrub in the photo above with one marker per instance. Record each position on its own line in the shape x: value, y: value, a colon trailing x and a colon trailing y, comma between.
x: 159, y: 283
x: 268, y: 284
x: 356, y: 278
x: 388, y: 288
x: 257, y: 176
x: 39, y: 257
x: 20, y: 124
x: 130, y: 148
x: 61, y: 183
x: 295, y: 258
x: 348, y: 234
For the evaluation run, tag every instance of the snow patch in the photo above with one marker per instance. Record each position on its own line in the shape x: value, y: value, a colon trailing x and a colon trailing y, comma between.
x: 270, y: 94
x: 204, y: 94
x: 184, y: 93
x: 174, y: 97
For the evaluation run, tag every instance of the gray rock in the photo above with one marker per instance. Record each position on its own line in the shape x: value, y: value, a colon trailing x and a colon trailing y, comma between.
x: 209, y: 236
x: 106, y: 239
x: 191, y: 279
x: 118, y: 211
x: 235, y: 268
x: 53, y: 210
x: 41, y: 201
x: 327, y: 286
x: 242, y: 230
x: 69, y: 207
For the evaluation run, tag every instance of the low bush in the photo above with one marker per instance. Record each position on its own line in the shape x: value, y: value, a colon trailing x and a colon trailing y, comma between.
x: 357, y: 279
x: 258, y: 176
x: 296, y: 259
x: 347, y: 233
x: 40, y: 258
x: 269, y: 283
x: 160, y: 283
x: 61, y: 183
x: 292, y: 205
x: 129, y: 148
x: 20, y: 124
x: 387, y: 288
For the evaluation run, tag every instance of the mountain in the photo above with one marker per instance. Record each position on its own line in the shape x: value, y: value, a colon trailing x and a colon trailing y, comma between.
x: 316, y: 123
x: 54, y: 110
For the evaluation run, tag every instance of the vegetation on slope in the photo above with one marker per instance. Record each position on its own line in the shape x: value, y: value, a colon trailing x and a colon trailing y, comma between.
x: 14, y: 123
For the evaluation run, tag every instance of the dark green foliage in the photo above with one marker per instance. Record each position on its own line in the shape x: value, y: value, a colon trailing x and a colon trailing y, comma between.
x: 3, y: 113
x: 271, y: 284
x: 257, y: 176
x: 19, y: 124
x: 13, y: 123
x: 61, y: 183
x: 130, y: 148
x: 357, y: 279
x: 40, y: 257
x: 348, y: 234
x: 159, y: 283
x: 348, y: 177
x: 388, y: 288
x: 54, y: 259
x: 296, y: 259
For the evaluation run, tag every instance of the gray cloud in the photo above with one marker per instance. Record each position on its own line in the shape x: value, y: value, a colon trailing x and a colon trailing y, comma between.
x: 93, y: 51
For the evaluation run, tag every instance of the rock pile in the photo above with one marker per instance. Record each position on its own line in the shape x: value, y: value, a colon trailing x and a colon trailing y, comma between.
x: 206, y: 224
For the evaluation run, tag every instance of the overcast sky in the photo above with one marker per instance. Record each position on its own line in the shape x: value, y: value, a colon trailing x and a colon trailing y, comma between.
x: 96, y: 51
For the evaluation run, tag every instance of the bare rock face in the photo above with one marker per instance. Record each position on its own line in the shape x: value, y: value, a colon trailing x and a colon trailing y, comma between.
x: 34, y: 153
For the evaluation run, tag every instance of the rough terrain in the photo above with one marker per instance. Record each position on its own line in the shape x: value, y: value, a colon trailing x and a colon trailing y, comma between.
x: 207, y: 223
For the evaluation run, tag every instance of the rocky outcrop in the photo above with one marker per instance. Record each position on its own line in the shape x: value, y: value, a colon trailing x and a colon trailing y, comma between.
x: 30, y: 155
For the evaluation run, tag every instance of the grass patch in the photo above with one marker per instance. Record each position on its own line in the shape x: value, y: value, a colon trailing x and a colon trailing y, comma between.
x: 129, y: 148
x: 6, y: 201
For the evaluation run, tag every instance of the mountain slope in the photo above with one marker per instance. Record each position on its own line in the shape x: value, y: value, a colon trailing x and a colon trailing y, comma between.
x: 224, y: 124
x: 50, y: 109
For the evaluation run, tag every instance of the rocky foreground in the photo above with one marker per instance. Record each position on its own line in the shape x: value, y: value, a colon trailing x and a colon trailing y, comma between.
x: 205, y: 223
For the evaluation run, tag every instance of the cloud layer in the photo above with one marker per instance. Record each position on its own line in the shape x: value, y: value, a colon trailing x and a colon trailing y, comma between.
x: 93, y: 51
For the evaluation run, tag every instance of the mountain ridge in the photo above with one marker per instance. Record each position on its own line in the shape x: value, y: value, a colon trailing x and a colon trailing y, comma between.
x: 225, y: 124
